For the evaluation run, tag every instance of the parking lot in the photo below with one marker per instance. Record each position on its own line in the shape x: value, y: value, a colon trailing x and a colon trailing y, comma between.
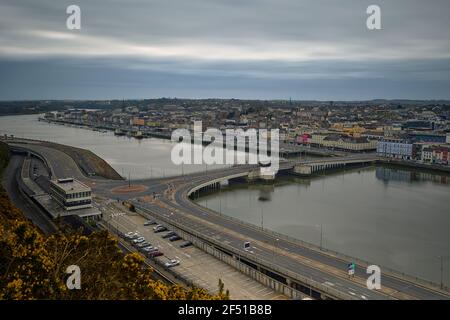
x: 196, y: 266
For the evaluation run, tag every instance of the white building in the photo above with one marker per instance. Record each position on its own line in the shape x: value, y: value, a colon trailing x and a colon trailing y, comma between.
x: 395, y: 148
x: 71, y: 194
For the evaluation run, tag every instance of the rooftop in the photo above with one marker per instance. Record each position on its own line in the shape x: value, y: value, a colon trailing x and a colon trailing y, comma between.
x: 70, y: 184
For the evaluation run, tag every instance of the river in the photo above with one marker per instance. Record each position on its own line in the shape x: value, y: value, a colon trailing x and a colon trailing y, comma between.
x: 130, y: 157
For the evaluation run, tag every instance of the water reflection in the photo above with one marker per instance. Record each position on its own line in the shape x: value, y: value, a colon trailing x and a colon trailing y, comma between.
x: 394, y: 174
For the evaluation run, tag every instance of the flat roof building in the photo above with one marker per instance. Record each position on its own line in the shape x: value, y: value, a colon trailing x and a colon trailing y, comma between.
x: 71, y: 193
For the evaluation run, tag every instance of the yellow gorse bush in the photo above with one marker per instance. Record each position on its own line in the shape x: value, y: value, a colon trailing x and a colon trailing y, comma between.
x: 32, y: 266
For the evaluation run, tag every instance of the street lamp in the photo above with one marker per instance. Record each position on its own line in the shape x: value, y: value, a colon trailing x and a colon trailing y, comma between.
x: 275, y: 246
x: 442, y: 271
x: 321, y: 235
x: 262, y: 218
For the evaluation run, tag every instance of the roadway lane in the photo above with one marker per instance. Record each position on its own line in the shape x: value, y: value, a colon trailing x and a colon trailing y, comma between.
x: 61, y: 165
x: 28, y: 208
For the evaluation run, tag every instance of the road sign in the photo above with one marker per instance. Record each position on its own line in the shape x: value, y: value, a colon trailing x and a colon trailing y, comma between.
x: 351, y: 269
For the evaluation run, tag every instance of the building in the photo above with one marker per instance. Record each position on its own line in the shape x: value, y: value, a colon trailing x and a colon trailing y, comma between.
x: 428, y: 137
x: 71, y: 194
x: 436, y: 154
x: 343, y: 142
x: 395, y: 148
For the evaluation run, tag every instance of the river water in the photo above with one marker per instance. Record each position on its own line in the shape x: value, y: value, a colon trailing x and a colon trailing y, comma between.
x: 393, y: 217
x: 128, y: 156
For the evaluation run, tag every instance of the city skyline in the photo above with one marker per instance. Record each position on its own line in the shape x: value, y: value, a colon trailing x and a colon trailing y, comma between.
x: 300, y: 49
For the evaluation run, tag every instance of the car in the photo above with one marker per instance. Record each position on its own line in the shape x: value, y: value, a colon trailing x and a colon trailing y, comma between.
x: 168, y: 234
x: 159, y: 229
x: 131, y: 235
x: 146, y: 249
x: 143, y: 244
x: 140, y: 239
x: 174, y: 238
x: 150, y: 249
x: 157, y: 226
x: 172, y: 263
x: 155, y: 254
x: 185, y: 244
x: 149, y: 223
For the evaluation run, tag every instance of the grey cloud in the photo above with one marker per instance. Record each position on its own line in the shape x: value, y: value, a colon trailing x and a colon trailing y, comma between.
x: 281, y: 44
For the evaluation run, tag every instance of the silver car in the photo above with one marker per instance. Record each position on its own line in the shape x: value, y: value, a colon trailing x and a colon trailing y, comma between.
x: 172, y: 263
x: 143, y: 244
x: 140, y: 239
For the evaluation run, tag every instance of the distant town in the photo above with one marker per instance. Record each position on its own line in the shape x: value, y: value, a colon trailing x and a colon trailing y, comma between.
x: 413, y: 131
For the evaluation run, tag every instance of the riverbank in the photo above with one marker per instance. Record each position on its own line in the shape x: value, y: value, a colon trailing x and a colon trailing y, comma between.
x: 88, y: 162
x: 286, y: 150
x: 415, y: 165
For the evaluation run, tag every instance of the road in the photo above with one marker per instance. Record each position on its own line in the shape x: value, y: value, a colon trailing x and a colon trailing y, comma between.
x: 29, y: 209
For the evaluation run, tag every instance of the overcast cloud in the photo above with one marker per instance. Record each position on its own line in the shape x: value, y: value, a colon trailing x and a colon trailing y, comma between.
x: 304, y: 49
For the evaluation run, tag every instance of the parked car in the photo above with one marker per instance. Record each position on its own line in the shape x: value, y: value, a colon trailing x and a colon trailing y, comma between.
x: 155, y: 254
x: 149, y: 222
x: 175, y: 238
x: 150, y: 249
x: 140, y: 239
x: 172, y: 263
x: 131, y: 235
x: 153, y: 249
x: 159, y: 229
x: 185, y: 244
x: 168, y: 234
x: 143, y: 244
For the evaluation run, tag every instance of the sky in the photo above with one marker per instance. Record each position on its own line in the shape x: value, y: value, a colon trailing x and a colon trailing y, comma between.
x: 248, y: 49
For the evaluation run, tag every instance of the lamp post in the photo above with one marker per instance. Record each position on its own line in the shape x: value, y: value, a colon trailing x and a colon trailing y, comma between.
x: 275, y: 246
x: 321, y: 234
x: 262, y: 218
